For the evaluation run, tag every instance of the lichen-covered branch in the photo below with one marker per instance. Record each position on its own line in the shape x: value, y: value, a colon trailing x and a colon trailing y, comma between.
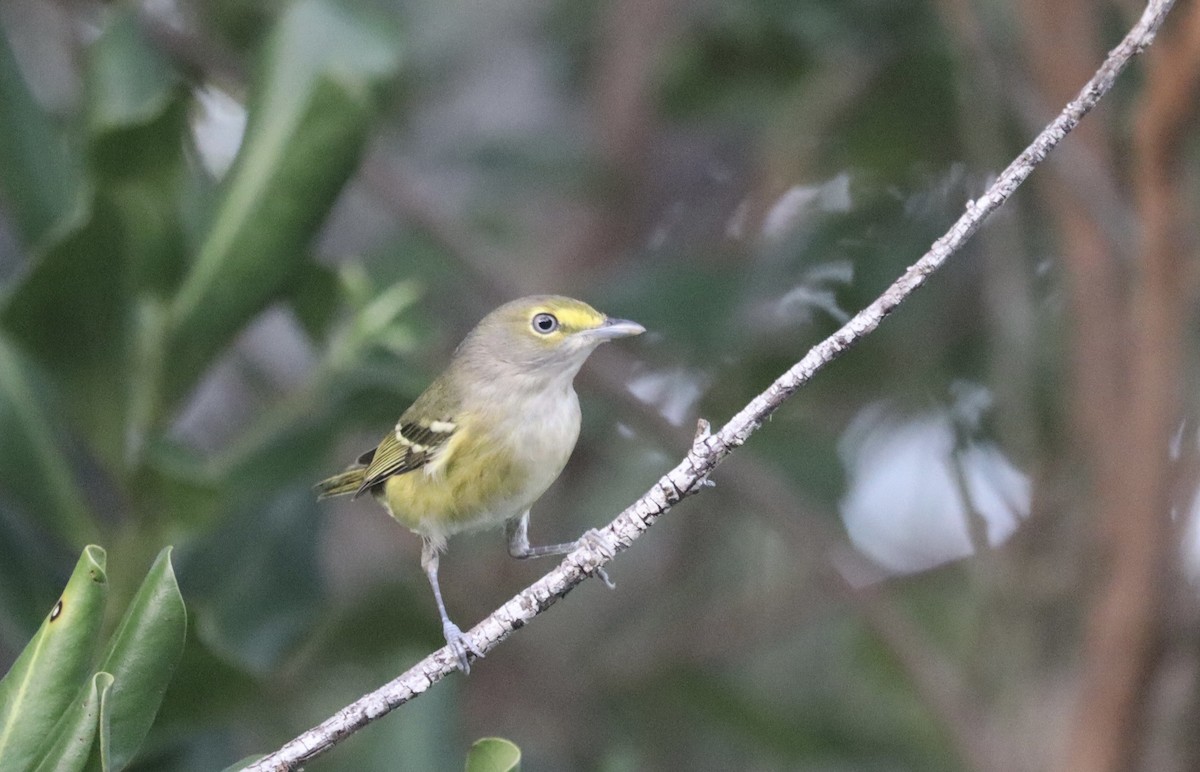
x: 708, y: 450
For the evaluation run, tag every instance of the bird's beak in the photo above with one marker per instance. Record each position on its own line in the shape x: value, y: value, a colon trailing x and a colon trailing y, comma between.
x: 615, y: 328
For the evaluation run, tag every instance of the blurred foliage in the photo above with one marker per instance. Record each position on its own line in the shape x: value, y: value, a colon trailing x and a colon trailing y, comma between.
x: 188, y: 343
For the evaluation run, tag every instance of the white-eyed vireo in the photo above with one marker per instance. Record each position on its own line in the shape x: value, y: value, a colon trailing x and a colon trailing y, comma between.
x: 489, y: 435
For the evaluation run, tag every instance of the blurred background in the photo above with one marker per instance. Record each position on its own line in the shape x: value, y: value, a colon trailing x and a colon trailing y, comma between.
x: 236, y: 239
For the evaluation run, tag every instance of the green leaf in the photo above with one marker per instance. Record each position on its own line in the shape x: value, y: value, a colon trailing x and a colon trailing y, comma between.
x: 309, y: 117
x: 142, y: 655
x: 46, y: 676
x: 41, y: 185
x: 493, y: 754
x: 73, y: 740
x: 33, y: 467
x: 128, y: 82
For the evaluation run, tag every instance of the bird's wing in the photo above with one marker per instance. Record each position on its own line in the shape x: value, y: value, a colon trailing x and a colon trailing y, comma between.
x: 412, y: 445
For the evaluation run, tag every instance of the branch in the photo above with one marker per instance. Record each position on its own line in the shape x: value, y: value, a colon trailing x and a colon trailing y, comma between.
x: 708, y: 450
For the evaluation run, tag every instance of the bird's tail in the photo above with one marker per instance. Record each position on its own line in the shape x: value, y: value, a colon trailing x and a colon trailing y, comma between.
x: 348, y: 481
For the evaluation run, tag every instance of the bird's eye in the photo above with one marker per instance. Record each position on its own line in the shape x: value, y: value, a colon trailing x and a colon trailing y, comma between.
x: 545, y: 323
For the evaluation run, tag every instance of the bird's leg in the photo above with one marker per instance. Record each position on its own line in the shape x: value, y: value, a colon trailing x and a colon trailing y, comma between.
x: 459, y: 644
x: 517, y: 531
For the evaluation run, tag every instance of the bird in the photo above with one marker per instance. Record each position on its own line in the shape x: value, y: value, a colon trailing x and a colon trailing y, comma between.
x: 488, y: 436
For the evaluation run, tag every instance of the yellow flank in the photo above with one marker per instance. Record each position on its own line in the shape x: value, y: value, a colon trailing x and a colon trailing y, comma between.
x: 459, y: 489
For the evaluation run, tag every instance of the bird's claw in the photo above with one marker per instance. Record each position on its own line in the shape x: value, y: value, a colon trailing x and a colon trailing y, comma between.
x: 459, y: 645
x: 593, y: 537
x: 609, y: 583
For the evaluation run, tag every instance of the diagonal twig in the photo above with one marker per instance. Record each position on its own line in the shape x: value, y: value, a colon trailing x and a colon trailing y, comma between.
x: 708, y: 449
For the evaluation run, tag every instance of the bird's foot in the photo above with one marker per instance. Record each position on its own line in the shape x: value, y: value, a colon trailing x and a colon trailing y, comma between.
x: 459, y: 645
x: 592, y: 537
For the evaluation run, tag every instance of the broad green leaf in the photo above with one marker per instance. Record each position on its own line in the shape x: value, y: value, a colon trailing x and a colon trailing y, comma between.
x: 128, y: 82
x: 46, y: 676
x: 493, y: 754
x: 141, y: 656
x: 309, y: 116
x: 74, y: 737
x: 41, y: 185
x: 33, y: 468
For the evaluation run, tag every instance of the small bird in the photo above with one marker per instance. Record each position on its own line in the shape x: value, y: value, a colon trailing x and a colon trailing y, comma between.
x: 486, y: 439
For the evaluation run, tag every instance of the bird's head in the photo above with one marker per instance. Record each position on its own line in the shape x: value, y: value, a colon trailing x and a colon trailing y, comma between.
x: 543, y: 335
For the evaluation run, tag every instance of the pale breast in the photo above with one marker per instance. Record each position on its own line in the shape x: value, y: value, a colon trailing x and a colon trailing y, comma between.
x: 546, y: 438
